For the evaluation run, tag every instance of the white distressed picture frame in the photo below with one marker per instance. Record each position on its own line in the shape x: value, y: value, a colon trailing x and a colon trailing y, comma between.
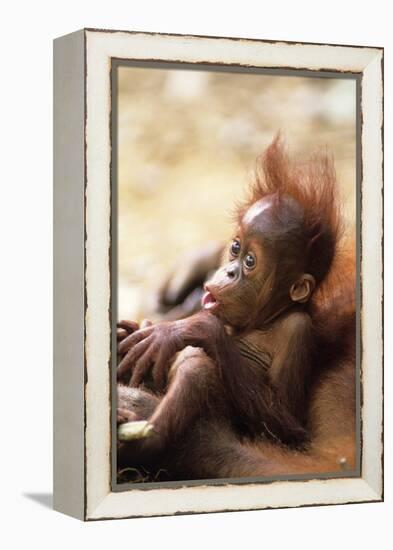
x: 82, y: 241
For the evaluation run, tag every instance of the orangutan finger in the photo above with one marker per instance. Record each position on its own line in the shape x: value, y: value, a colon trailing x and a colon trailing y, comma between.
x: 160, y: 371
x: 129, y: 326
x: 142, y: 367
x: 134, y: 339
x: 126, y: 364
x: 121, y: 334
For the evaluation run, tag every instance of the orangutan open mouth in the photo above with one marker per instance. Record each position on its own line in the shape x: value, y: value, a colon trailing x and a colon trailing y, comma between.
x: 208, y: 300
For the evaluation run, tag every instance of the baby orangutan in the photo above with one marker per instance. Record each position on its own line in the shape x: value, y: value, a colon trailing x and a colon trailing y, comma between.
x: 253, y: 343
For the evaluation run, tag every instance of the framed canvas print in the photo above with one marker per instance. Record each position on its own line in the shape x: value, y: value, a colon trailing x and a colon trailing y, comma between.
x: 218, y: 274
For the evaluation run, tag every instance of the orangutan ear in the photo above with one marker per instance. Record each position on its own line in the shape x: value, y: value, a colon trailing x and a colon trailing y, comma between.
x: 303, y: 288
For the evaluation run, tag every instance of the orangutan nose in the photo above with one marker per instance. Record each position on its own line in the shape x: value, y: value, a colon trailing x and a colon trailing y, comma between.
x: 232, y: 271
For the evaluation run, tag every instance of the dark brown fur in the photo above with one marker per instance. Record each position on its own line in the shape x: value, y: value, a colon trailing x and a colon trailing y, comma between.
x: 272, y: 368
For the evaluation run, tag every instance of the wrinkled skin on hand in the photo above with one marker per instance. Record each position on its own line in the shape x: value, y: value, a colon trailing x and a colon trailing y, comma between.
x: 149, y: 348
x: 152, y: 349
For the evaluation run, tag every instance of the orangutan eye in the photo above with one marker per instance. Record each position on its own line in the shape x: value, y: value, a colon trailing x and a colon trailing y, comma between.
x: 235, y: 248
x: 249, y: 261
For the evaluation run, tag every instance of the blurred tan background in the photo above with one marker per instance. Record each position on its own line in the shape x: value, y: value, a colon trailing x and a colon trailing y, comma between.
x: 187, y: 143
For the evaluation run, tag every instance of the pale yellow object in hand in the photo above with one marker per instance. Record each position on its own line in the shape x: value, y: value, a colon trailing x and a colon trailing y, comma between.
x: 138, y: 429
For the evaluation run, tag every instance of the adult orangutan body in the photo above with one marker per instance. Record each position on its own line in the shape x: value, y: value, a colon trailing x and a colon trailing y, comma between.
x: 267, y: 386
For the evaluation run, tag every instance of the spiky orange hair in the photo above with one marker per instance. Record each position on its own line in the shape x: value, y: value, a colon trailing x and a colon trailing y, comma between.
x: 312, y: 185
